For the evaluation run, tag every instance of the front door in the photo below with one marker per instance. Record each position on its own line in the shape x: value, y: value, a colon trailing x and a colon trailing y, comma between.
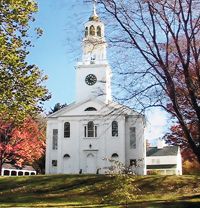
x: 91, y: 166
x: 67, y: 165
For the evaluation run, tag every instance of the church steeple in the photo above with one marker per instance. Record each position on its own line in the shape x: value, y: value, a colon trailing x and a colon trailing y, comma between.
x: 93, y: 72
x: 94, y: 44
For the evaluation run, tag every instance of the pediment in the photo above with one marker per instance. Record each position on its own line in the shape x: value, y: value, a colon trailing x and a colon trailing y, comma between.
x: 88, y: 108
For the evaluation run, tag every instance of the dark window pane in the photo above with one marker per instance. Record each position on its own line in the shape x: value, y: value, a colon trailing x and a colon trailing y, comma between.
x: 66, y: 129
x: 90, y: 109
x: 114, y: 128
x: 54, y: 163
x: 92, y: 30
x: 55, y: 139
x: 85, y: 131
x: 132, y: 138
x: 91, y: 129
x: 99, y: 31
x: 86, y: 31
x: 95, y: 131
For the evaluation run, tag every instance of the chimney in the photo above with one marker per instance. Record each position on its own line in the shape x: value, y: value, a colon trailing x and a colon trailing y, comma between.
x: 160, y: 143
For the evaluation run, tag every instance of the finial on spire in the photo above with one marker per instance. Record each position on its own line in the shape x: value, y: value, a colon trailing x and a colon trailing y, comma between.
x: 94, y: 16
x: 94, y: 7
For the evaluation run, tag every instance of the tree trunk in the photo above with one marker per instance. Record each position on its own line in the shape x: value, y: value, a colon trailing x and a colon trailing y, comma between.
x: 1, y: 167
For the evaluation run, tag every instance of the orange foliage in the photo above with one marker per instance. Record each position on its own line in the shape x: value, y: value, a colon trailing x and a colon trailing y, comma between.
x: 191, y: 167
x: 21, y: 145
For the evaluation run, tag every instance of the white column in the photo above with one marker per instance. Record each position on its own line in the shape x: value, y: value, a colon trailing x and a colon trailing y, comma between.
x: 60, y: 141
x: 2, y: 172
x: 48, y: 146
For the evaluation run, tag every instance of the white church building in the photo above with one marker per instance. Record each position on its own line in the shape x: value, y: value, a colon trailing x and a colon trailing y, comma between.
x: 81, y: 135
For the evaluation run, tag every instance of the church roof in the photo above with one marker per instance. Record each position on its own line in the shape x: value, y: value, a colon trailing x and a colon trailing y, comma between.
x: 165, y: 151
x: 111, y: 108
x: 12, y: 167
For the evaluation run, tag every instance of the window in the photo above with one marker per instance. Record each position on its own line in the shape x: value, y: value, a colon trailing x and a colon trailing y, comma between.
x: 99, y: 31
x: 55, y: 139
x: 114, y: 128
x: 132, y: 138
x: 92, y: 30
x: 133, y: 162
x: 66, y: 129
x: 86, y: 31
x: 90, y: 130
x: 115, y: 155
x: 67, y: 156
x: 90, y: 109
x: 54, y: 163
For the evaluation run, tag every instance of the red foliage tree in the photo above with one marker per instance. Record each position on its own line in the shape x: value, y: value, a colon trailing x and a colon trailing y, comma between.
x: 21, y: 145
x: 185, y: 100
x: 165, y: 35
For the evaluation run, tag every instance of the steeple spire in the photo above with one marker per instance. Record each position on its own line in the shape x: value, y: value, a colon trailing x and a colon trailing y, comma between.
x: 94, y: 8
x: 94, y: 16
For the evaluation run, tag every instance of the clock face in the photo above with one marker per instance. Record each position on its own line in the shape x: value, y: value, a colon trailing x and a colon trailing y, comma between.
x: 90, y: 79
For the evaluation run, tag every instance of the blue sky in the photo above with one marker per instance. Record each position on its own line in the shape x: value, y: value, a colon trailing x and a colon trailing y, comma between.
x: 51, y: 51
x: 61, y: 22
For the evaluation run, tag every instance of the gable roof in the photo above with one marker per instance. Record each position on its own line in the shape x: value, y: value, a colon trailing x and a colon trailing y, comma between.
x: 165, y: 151
x: 12, y: 167
x: 110, y: 108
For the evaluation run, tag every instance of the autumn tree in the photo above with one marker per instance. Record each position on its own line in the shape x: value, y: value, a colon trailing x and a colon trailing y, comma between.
x: 21, y: 88
x: 22, y: 92
x: 23, y: 144
x: 176, y: 137
x: 160, y: 41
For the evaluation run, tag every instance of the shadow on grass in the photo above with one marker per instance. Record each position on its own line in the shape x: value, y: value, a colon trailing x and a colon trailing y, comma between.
x: 89, y: 190
x: 52, y: 189
x: 161, y: 204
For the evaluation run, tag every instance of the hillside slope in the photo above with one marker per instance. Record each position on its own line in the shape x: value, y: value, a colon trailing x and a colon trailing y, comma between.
x: 100, y: 191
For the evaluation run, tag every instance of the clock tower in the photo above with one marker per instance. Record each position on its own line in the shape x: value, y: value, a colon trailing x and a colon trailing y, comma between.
x: 93, y: 73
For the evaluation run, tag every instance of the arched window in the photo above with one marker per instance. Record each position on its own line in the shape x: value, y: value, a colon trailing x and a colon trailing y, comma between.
x: 92, y: 30
x: 99, y: 31
x: 66, y: 129
x: 114, y: 128
x: 90, y: 130
x: 86, y: 31
x: 115, y: 155
x: 90, y: 109
x: 66, y: 156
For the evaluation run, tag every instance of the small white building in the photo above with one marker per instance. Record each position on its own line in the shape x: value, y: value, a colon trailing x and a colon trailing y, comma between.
x: 11, y: 170
x: 164, y: 160
x: 94, y: 127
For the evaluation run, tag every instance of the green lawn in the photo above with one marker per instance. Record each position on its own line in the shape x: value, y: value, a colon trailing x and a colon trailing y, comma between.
x: 100, y: 191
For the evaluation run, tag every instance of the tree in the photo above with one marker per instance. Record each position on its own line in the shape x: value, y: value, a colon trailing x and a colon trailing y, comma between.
x: 21, y: 88
x: 21, y: 145
x: 22, y: 93
x: 165, y: 35
x: 57, y: 107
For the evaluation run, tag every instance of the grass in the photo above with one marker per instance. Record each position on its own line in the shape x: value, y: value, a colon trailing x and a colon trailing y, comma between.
x: 100, y: 191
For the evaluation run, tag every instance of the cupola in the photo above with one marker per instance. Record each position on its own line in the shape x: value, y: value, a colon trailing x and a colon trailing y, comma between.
x: 94, y: 44
x: 94, y: 27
